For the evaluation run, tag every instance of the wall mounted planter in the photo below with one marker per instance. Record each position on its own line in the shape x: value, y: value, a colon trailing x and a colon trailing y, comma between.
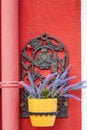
x: 42, y: 111
x: 41, y: 55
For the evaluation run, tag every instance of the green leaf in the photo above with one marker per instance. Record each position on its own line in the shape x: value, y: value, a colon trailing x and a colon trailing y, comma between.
x: 45, y: 93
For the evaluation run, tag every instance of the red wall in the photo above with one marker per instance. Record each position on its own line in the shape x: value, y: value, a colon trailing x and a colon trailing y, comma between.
x: 60, y: 18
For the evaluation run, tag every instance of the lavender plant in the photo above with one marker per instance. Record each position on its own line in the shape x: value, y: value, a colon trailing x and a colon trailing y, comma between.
x: 54, y: 85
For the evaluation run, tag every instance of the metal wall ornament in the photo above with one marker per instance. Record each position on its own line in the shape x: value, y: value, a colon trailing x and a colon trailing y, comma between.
x: 42, y: 55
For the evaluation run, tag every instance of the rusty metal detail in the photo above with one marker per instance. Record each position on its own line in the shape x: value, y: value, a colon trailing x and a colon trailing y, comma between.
x: 42, y: 55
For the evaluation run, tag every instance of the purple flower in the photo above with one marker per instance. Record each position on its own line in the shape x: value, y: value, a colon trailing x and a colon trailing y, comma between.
x: 65, y: 73
x: 47, y: 79
x: 75, y: 86
x: 71, y: 96
x: 29, y: 89
x: 30, y: 79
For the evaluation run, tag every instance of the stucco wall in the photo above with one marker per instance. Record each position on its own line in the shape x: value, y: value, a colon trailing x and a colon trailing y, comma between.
x: 61, y: 19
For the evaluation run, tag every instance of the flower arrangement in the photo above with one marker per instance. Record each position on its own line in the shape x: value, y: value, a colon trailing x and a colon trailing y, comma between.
x: 53, y: 86
x: 43, y: 98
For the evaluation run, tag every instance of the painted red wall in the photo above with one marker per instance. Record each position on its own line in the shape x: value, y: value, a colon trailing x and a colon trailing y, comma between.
x: 59, y: 18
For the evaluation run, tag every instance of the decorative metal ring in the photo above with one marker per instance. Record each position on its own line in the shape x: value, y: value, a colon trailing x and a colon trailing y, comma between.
x: 10, y: 84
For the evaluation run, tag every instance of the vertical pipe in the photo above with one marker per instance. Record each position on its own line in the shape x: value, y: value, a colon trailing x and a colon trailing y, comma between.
x: 0, y: 40
x: 9, y: 47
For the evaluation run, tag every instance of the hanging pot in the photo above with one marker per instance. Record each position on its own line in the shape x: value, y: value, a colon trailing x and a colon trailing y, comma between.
x: 42, y: 111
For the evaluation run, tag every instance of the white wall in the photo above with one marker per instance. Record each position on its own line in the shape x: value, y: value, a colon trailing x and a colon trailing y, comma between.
x: 84, y: 60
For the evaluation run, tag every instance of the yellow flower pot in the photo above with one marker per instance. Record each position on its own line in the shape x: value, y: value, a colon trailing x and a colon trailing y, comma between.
x: 42, y: 111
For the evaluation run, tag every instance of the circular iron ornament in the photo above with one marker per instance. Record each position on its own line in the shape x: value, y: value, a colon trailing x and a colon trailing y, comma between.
x: 42, y: 55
